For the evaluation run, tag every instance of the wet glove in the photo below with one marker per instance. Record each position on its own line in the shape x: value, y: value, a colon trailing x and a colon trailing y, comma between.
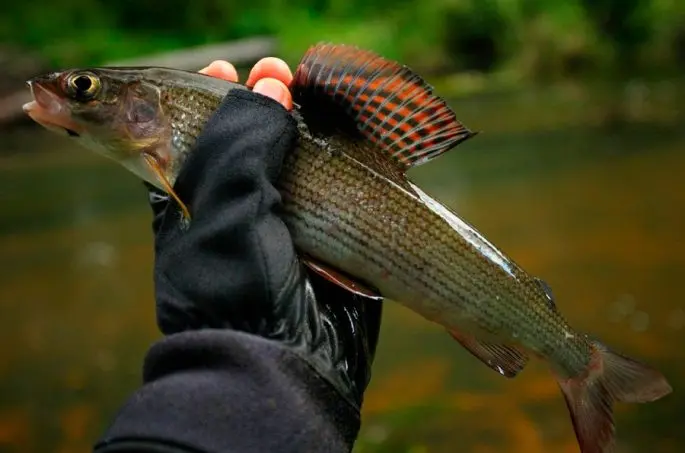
x: 259, y: 354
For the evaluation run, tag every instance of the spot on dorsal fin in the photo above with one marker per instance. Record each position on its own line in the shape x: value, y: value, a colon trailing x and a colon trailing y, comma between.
x: 389, y: 104
x: 548, y: 292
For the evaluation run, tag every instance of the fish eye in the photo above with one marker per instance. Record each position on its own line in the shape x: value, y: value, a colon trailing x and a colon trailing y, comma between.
x: 83, y: 86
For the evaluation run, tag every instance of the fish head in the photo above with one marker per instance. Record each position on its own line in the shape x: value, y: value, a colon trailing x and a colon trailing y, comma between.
x: 110, y: 112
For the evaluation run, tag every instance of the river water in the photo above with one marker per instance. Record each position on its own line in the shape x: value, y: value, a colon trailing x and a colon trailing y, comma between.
x: 596, y: 210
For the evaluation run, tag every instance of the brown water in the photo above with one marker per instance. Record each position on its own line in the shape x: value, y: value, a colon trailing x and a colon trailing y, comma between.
x: 597, y: 212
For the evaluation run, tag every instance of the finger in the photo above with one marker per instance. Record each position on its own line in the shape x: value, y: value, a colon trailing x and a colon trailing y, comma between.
x: 275, y: 89
x: 222, y: 70
x: 270, y: 67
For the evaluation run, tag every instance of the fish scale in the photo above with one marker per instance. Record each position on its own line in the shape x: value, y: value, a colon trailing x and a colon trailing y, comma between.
x: 188, y: 114
x: 355, y: 217
x: 364, y: 240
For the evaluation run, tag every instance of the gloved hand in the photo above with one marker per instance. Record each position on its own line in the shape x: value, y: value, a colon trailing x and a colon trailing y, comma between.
x: 233, y: 274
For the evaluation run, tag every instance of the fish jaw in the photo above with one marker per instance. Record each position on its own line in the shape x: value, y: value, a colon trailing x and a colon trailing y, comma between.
x: 49, y: 109
x: 51, y: 118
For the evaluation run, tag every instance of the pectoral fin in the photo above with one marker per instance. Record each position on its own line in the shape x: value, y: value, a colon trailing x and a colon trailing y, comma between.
x: 506, y: 360
x: 157, y: 170
x: 340, y: 279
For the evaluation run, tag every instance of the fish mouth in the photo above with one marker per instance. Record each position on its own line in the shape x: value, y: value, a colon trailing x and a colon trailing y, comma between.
x: 50, y: 110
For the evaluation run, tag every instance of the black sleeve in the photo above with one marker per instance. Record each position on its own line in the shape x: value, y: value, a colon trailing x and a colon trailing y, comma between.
x: 236, y: 247
x: 222, y: 391
x: 214, y: 383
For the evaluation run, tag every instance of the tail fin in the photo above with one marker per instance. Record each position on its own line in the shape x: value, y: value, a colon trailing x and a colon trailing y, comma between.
x: 611, y: 377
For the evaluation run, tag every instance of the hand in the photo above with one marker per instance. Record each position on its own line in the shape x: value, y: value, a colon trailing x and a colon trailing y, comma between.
x: 258, y: 355
x: 236, y: 267
x: 270, y: 77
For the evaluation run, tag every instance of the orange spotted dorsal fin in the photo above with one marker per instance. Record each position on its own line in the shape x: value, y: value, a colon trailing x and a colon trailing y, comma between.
x: 388, y: 103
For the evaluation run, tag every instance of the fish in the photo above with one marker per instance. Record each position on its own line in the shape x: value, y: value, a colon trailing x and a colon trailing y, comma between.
x: 355, y: 216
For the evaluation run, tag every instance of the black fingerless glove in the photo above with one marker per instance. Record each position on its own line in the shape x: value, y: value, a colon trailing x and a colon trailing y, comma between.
x: 259, y: 354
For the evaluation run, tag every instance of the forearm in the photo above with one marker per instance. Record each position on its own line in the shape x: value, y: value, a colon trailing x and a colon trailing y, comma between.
x: 253, y: 359
x: 225, y: 391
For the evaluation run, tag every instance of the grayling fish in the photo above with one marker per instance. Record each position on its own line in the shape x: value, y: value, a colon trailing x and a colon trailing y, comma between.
x: 354, y: 215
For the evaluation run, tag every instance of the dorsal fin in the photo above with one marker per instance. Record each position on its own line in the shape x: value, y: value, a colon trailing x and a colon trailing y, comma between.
x: 390, y: 105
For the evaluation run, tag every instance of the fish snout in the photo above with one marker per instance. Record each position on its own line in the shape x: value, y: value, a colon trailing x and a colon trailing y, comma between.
x: 45, y: 91
x: 50, y: 107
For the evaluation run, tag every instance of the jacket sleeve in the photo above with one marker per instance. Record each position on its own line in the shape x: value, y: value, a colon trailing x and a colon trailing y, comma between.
x: 224, y: 269
x: 222, y: 391
x: 217, y: 382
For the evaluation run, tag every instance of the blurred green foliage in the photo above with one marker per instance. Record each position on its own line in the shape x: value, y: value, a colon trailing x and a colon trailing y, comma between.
x: 530, y: 39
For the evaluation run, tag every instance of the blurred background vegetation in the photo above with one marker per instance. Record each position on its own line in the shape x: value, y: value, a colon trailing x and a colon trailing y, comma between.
x: 529, y: 40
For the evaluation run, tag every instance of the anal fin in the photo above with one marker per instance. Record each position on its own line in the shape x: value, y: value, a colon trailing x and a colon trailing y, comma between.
x: 506, y: 360
x: 340, y: 279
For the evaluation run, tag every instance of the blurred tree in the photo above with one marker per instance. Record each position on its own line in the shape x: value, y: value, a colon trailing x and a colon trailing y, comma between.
x: 528, y: 38
x: 624, y: 24
x: 474, y: 32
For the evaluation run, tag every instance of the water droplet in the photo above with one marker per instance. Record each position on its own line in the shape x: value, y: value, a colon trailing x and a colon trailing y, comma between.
x: 639, y: 321
x: 177, y: 140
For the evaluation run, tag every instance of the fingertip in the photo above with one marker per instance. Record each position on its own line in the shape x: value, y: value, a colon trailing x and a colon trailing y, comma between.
x: 221, y: 69
x: 271, y: 67
x: 275, y: 89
